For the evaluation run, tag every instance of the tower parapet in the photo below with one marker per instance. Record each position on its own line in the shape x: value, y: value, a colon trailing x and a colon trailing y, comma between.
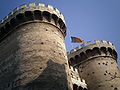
x: 90, y: 50
x: 78, y: 83
x: 97, y: 64
x: 32, y: 13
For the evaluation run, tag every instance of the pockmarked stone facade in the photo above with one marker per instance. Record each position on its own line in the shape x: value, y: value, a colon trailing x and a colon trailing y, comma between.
x: 33, y: 54
x: 97, y: 64
x: 32, y: 50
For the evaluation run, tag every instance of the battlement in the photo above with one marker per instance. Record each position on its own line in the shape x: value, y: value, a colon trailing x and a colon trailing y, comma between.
x: 91, y: 50
x: 75, y: 70
x: 76, y: 80
x: 32, y: 13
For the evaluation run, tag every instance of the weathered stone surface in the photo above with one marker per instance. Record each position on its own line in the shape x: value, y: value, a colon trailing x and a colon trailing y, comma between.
x: 34, y: 56
x: 77, y: 81
x: 32, y: 51
x: 97, y: 63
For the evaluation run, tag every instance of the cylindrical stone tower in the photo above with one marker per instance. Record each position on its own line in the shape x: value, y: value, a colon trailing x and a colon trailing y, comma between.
x: 32, y: 49
x: 97, y: 64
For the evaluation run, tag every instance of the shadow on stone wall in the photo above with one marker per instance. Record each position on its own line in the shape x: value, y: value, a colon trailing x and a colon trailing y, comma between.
x: 53, y: 77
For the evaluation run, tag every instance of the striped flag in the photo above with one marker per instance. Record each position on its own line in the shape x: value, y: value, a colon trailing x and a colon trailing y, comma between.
x: 76, y: 40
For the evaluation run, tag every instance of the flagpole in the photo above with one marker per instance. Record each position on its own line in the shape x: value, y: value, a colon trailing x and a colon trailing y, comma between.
x: 69, y: 36
x: 71, y: 44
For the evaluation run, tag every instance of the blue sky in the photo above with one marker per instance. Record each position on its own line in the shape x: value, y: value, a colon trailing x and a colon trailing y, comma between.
x: 88, y: 19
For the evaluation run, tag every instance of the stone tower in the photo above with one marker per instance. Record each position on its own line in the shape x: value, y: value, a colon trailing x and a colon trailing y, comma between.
x: 32, y: 50
x: 97, y: 64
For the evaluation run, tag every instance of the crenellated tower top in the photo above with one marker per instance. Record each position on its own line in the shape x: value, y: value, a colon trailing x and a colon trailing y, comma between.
x: 90, y: 50
x: 76, y: 80
x: 32, y: 13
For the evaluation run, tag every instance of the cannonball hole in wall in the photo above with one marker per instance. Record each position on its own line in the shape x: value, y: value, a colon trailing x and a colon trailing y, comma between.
x: 110, y: 50
x: 93, y: 72
x: 66, y: 64
x: 55, y: 18
x: 37, y: 15
x: 29, y: 15
x: 105, y: 74
x: 60, y: 53
x: 103, y: 63
x: 111, y: 85
x: 115, y: 73
x: 112, y: 62
x: 106, y: 64
x: 99, y: 85
x: 46, y: 29
x: 115, y: 88
x: 98, y: 63
x: 103, y: 50
x: 47, y: 16
x: 40, y: 67
x: 42, y: 43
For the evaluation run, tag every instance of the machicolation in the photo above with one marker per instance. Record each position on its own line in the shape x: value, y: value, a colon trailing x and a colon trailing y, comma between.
x: 32, y: 13
x: 92, y: 50
x: 32, y: 41
x: 97, y: 64
x: 33, y: 54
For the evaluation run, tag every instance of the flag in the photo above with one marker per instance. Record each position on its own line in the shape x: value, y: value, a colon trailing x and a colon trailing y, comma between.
x: 76, y: 40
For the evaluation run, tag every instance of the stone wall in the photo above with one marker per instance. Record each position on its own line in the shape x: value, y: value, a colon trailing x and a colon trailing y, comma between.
x: 32, y: 51
x: 97, y: 63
